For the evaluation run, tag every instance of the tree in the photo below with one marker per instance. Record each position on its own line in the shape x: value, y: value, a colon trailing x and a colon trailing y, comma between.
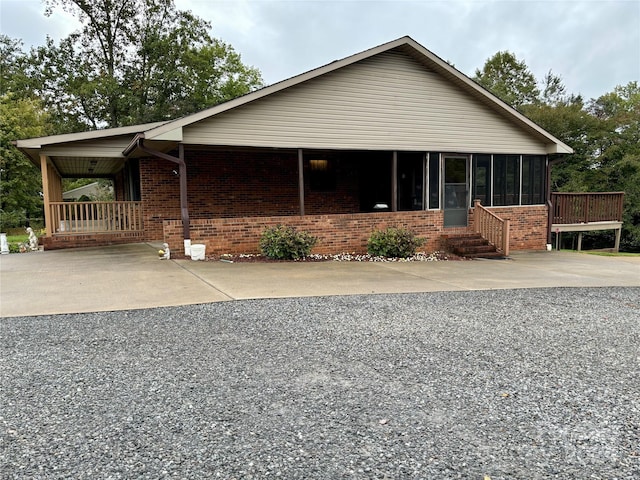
x: 21, y: 116
x: 604, y: 133
x: 509, y: 79
x: 136, y: 61
x: 618, y: 159
x: 20, y: 183
x: 13, y: 62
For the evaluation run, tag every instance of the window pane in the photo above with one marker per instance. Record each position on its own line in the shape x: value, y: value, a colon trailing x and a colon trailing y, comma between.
x: 434, y: 180
x: 533, y: 179
x: 410, y: 180
x: 506, y: 179
x: 482, y: 179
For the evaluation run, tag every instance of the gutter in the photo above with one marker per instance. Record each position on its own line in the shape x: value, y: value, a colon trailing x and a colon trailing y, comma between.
x: 182, y: 172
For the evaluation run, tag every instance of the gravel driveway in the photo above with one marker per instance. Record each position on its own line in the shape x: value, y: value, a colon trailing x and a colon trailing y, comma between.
x: 512, y: 384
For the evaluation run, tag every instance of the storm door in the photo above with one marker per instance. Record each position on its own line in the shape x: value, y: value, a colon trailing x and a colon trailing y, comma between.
x: 456, y: 191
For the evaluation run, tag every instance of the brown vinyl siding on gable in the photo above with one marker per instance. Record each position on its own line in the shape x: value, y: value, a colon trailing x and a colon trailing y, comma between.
x: 386, y: 102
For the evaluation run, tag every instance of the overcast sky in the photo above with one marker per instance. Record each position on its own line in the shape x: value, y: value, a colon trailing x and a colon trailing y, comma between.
x: 593, y: 45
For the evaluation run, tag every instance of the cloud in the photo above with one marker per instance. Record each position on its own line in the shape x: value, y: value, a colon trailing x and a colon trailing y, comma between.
x: 593, y: 45
x: 25, y: 20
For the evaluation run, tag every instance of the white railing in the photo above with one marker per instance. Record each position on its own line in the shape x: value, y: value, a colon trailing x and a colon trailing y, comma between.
x: 96, y: 217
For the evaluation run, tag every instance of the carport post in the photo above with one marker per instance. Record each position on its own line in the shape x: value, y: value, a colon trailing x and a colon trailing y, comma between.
x: 184, y: 206
x: 48, y: 221
x: 182, y: 169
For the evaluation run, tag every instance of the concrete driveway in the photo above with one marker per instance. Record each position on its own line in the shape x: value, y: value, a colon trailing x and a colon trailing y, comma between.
x: 131, y: 276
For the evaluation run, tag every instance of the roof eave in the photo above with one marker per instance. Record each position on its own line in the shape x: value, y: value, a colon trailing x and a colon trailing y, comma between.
x: 39, y: 142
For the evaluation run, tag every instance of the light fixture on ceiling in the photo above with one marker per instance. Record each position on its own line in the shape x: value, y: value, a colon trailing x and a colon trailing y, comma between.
x: 320, y: 165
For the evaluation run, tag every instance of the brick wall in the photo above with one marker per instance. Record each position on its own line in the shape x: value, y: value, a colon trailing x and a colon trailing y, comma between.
x: 231, y: 184
x: 349, y: 233
x: 118, y: 186
x: 528, y: 226
x: 160, y: 195
x: 336, y: 233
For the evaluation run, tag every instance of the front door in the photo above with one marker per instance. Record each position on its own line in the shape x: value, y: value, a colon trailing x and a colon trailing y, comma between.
x: 456, y: 191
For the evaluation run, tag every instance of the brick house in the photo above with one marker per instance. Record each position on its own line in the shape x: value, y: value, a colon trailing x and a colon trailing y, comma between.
x: 392, y: 136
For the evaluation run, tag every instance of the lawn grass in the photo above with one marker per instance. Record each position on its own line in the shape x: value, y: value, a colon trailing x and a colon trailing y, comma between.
x: 17, y: 238
x: 611, y: 254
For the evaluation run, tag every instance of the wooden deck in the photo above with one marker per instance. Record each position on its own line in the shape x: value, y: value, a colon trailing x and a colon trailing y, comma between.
x: 586, y: 212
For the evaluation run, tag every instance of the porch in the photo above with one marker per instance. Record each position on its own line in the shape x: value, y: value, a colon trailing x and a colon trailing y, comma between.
x: 584, y: 212
x: 84, y: 224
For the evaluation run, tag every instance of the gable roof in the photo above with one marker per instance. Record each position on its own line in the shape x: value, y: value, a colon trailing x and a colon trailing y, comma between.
x: 172, y: 131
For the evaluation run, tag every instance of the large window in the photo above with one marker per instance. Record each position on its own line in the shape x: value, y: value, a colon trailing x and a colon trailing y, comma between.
x: 482, y: 179
x: 496, y: 180
x: 434, y: 180
x: 410, y: 180
x: 506, y: 180
x: 500, y: 180
x: 533, y: 179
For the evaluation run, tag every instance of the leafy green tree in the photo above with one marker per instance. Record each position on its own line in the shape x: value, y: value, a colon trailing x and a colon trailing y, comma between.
x: 604, y: 133
x: 136, y: 61
x: 509, y: 79
x: 20, y: 181
x: 21, y: 116
x: 13, y: 68
x: 618, y: 160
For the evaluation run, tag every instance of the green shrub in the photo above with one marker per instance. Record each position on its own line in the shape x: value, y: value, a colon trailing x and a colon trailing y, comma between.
x: 393, y: 243
x: 286, y: 243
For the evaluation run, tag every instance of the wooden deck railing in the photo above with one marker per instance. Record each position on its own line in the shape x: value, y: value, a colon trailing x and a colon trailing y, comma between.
x: 491, y: 227
x: 586, y: 207
x: 96, y: 217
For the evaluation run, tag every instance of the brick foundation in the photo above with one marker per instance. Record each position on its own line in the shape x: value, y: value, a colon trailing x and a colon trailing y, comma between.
x: 349, y: 232
x: 59, y: 242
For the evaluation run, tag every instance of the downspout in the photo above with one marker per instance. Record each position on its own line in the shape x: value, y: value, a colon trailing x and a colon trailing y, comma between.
x: 182, y: 171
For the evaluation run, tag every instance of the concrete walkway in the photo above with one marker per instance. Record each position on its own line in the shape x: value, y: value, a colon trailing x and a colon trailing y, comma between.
x: 131, y: 276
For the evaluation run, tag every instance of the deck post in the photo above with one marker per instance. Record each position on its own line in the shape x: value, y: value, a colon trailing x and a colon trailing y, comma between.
x: 616, y: 248
x: 579, y: 241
